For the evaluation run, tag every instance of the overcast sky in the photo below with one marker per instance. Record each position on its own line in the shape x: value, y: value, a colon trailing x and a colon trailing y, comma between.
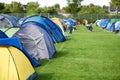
x: 62, y: 3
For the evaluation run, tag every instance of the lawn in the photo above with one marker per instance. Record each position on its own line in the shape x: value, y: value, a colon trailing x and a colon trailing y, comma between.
x: 84, y: 56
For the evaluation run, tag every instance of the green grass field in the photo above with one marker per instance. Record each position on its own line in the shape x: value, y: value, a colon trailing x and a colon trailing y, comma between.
x: 84, y: 56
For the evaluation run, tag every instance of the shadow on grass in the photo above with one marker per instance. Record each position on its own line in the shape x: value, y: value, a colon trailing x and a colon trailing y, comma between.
x: 59, y: 54
x: 44, y: 76
x: 43, y: 62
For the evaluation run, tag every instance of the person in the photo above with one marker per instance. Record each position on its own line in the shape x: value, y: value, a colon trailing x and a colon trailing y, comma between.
x: 70, y: 27
x: 85, y: 22
x: 89, y: 27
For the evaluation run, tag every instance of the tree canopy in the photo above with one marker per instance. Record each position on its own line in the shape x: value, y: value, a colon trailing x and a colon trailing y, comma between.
x: 32, y: 8
x: 15, y: 7
x: 2, y: 6
x: 92, y: 9
x: 73, y: 6
x: 115, y: 3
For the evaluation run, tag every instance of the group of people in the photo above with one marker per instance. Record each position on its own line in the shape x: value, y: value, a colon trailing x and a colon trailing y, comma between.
x: 70, y: 28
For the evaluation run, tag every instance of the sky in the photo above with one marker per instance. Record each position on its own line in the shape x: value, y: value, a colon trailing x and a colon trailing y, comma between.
x: 62, y: 3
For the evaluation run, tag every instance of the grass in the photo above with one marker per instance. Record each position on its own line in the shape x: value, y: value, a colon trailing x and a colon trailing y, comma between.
x: 84, y: 56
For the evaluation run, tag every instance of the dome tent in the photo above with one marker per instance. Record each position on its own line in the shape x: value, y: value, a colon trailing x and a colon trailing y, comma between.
x: 48, y: 28
x: 58, y: 22
x: 56, y: 28
x: 104, y: 23
x: 117, y: 26
x: 7, y: 21
x: 14, y: 63
x: 36, y: 40
x: 110, y: 27
x: 8, y: 24
x: 16, y: 43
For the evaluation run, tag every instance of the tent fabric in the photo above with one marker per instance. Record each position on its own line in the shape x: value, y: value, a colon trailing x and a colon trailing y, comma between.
x: 104, y: 23
x: 71, y: 22
x: 10, y: 31
x: 16, y: 43
x: 56, y: 29
x: 46, y: 27
x: 33, y: 41
x: 117, y: 25
x: 3, y: 35
x: 57, y: 21
x: 20, y: 21
x: 110, y: 27
x: 97, y: 23
x: 7, y: 21
x: 14, y: 64
x: 48, y: 40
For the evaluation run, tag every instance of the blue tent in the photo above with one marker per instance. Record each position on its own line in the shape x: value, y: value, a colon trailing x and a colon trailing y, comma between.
x: 50, y: 30
x: 21, y: 20
x: 117, y: 25
x: 56, y: 29
x: 3, y: 35
x: 104, y: 23
x: 16, y: 43
x: 7, y: 21
x: 110, y: 26
x: 71, y: 21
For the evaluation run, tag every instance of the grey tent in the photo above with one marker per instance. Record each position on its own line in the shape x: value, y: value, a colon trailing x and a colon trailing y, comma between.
x: 36, y: 41
x: 7, y: 21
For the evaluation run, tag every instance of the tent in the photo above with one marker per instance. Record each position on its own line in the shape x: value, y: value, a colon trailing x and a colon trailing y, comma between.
x: 10, y: 31
x: 117, y: 25
x: 56, y: 29
x: 36, y: 40
x: 104, y: 23
x: 97, y: 23
x: 57, y: 21
x: 16, y: 43
x: 71, y: 21
x: 8, y: 24
x: 14, y: 64
x: 7, y: 21
x: 21, y: 20
x: 52, y: 32
x: 110, y: 27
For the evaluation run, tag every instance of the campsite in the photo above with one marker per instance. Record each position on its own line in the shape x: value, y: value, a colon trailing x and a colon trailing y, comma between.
x: 54, y: 43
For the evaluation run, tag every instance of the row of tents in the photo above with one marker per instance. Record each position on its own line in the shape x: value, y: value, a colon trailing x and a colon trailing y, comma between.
x: 109, y: 24
x: 25, y: 41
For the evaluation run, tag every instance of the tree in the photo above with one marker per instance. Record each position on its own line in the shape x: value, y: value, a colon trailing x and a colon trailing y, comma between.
x: 92, y: 9
x: 57, y: 7
x: 2, y: 6
x: 32, y: 8
x: 15, y: 7
x: 116, y: 4
x: 7, y: 8
x: 52, y: 10
x: 73, y: 6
